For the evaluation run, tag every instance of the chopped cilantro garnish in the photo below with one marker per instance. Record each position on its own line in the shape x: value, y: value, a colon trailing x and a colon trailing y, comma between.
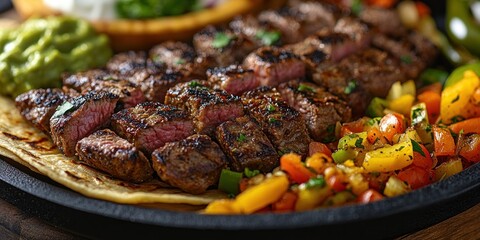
x: 221, y: 40
x: 241, y: 137
x: 194, y: 84
x: 180, y: 61
x: 418, y: 115
x: 417, y: 147
x: 350, y: 87
x: 358, y: 143
x: 268, y: 37
x: 406, y: 59
x: 272, y: 120
x: 457, y: 119
x: 304, y: 88
x: 271, y: 108
x: 357, y: 7
x: 62, y: 109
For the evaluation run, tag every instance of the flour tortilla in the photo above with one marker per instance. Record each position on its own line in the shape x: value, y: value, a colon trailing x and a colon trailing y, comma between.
x: 30, y: 147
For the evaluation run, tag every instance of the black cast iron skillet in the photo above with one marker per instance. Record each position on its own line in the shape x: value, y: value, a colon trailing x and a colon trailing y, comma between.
x: 98, y: 219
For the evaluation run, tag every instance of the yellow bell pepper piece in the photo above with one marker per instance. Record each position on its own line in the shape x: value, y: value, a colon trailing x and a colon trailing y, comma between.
x: 261, y: 195
x: 395, y: 187
x: 455, y: 100
x: 309, y: 198
x: 402, y: 104
x: 222, y: 206
x: 389, y: 158
x: 448, y: 169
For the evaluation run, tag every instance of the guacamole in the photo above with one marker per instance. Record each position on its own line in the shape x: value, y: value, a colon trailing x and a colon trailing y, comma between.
x: 37, y: 53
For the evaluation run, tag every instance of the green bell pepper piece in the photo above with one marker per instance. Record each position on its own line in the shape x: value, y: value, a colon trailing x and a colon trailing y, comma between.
x: 457, y: 74
x: 376, y: 107
x: 229, y: 181
x: 461, y: 26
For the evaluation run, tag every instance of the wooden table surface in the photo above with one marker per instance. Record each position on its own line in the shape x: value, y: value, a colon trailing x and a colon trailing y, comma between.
x: 17, y: 224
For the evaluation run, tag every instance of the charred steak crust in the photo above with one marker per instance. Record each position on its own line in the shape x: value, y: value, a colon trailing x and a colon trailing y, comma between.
x: 100, y: 80
x: 283, y: 125
x: 273, y: 65
x: 246, y: 146
x: 234, y: 79
x: 193, y: 164
x: 38, y: 105
x: 207, y: 107
x: 79, y: 117
x: 150, y: 125
x: 106, y: 151
x: 320, y: 109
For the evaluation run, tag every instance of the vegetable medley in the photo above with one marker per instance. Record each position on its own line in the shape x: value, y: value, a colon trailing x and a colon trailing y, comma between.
x: 421, y: 133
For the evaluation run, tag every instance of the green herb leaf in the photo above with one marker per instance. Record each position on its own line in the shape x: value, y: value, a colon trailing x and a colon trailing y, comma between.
x: 268, y: 37
x: 180, y: 61
x: 221, y: 40
x: 350, y: 87
x: 250, y: 173
x: 417, y: 147
x: 241, y: 137
x: 418, y: 115
x: 457, y: 118
x: 406, y: 59
x: 357, y: 7
x: 194, y: 83
x: 271, y: 108
x: 318, y: 181
x: 272, y: 120
x: 62, y: 109
x: 359, y: 143
x: 304, y: 88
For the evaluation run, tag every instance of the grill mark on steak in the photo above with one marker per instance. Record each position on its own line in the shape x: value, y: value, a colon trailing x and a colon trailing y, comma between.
x: 273, y: 65
x: 320, y: 109
x: 38, y: 105
x: 284, y: 126
x: 150, y: 125
x: 246, y: 146
x: 233, y: 79
x: 208, y: 107
x: 106, y: 151
x: 193, y: 164
x: 101, y: 80
x: 79, y: 117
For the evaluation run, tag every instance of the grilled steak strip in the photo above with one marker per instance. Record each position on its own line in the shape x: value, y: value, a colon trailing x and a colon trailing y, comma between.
x: 283, y: 125
x: 223, y: 45
x: 234, y: 79
x: 80, y: 117
x: 273, y: 65
x: 100, y: 80
x: 150, y: 125
x: 192, y: 164
x: 38, y: 105
x: 208, y: 108
x: 320, y: 109
x: 106, y: 151
x: 180, y: 57
x: 246, y: 146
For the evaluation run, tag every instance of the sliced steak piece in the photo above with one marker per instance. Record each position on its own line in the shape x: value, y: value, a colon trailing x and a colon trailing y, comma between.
x: 320, y: 109
x: 106, y: 151
x: 127, y: 63
x: 283, y: 125
x: 383, y: 20
x: 150, y: 125
x: 313, y: 15
x: 261, y: 33
x: 180, y: 57
x: 361, y: 76
x: 234, y: 79
x: 100, y: 80
x: 208, y: 107
x: 155, y: 86
x: 290, y: 27
x: 246, y: 146
x: 223, y: 45
x: 193, y: 164
x: 273, y: 65
x: 38, y: 105
x: 80, y: 117
x: 414, y: 51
